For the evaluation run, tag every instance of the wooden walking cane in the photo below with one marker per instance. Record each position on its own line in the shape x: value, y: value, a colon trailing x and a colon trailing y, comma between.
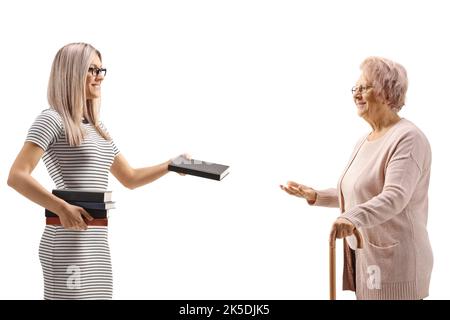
x: 359, y: 245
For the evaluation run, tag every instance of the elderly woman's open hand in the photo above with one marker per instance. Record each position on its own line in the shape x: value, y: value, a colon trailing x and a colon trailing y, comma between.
x: 301, y: 191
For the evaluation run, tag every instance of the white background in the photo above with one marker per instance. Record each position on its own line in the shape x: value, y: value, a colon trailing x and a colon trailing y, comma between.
x: 262, y: 86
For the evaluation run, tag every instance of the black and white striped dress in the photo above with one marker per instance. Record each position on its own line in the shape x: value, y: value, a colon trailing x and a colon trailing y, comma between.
x: 76, y: 264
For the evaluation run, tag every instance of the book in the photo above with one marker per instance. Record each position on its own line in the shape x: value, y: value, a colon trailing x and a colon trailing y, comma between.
x: 84, y: 195
x: 95, y: 213
x: 199, y: 168
x: 94, y: 205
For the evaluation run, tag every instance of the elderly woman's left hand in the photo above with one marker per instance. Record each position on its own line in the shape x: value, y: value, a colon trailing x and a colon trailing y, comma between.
x: 342, y: 228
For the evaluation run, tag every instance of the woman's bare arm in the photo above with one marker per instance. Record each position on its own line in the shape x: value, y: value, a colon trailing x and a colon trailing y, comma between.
x: 136, y: 177
x: 21, y: 180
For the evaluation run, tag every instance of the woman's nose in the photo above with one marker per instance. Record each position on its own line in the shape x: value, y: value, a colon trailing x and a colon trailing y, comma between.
x: 357, y: 95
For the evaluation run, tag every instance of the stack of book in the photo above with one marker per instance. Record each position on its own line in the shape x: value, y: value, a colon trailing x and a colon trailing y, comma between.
x: 96, y: 203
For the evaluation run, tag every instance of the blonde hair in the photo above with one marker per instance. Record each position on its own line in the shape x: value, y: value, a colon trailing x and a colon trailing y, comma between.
x: 388, y: 79
x: 67, y: 90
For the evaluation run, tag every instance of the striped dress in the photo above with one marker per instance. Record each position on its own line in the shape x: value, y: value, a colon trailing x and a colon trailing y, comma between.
x: 76, y: 264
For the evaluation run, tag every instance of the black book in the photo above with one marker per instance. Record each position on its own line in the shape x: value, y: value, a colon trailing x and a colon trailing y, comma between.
x: 199, y: 168
x: 95, y: 213
x: 84, y: 195
x: 94, y: 205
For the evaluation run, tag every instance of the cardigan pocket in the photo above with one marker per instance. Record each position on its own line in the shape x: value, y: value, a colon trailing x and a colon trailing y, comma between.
x: 373, y: 245
x: 379, y: 264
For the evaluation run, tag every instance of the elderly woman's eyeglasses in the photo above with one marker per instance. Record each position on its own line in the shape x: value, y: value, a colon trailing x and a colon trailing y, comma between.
x: 97, y: 71
x: 360, y: 89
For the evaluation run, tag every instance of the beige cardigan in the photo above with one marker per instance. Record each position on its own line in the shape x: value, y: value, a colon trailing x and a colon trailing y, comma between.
x: 391, y: 213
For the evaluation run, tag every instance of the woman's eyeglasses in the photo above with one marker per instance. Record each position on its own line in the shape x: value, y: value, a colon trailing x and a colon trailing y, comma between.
x: 97, y: 71
x: 362, y: 89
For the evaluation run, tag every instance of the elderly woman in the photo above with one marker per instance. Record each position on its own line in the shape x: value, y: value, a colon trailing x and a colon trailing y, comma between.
x: 79, y: 154
x: 383, y: 192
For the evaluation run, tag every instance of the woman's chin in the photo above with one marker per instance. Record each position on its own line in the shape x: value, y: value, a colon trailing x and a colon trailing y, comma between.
x: 361, y: 111
x: 94, y: 96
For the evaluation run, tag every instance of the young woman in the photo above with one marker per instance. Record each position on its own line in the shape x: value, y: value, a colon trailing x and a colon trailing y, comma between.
x: 78, y: 154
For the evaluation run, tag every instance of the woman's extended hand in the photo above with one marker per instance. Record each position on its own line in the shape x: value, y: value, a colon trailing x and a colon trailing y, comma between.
x: 184, y: 155
x: 301, y: 191
x: 72, y: 217
x: 342, y: 228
